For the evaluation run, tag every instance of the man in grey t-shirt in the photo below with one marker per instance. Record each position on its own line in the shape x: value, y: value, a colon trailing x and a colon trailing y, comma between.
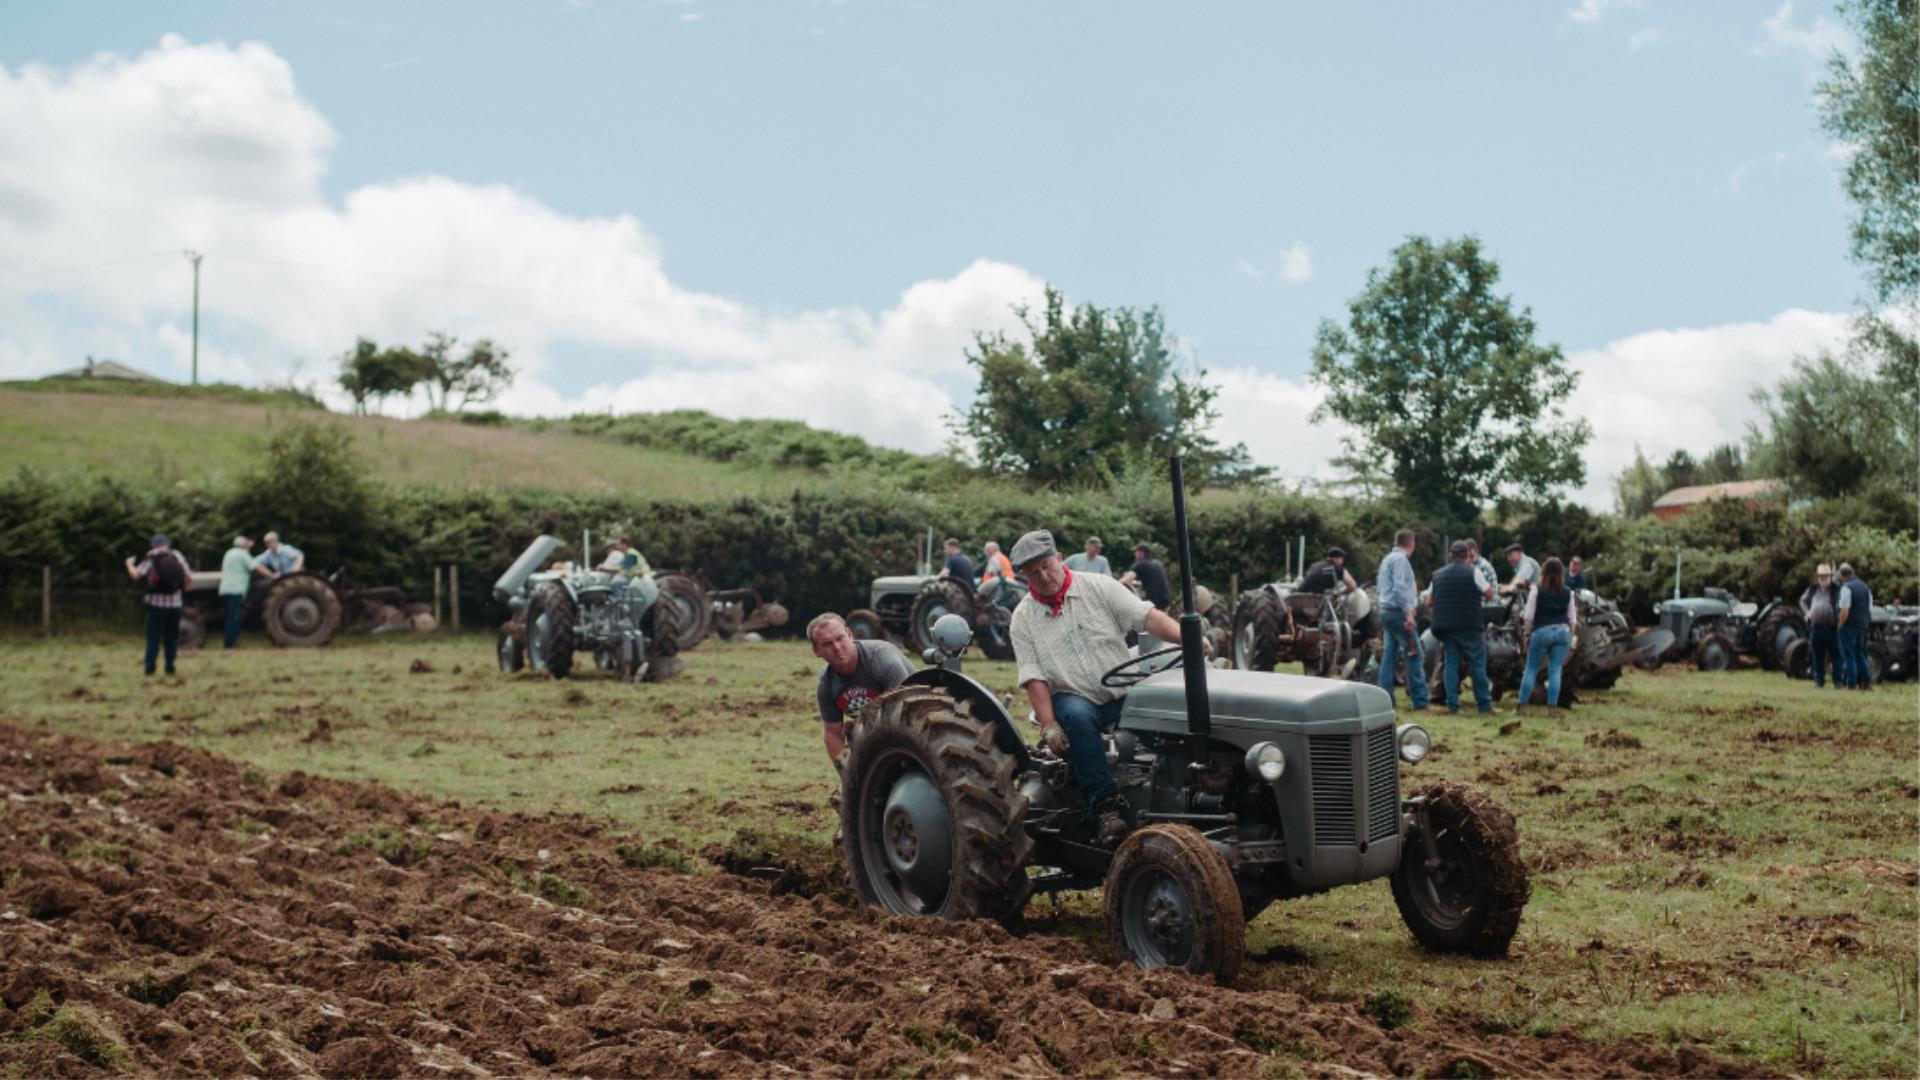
x: 856, y: 672
x: 1090, y: 561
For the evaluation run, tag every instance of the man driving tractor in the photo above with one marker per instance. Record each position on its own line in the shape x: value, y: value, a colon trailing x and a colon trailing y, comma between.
x: 1068, y: 631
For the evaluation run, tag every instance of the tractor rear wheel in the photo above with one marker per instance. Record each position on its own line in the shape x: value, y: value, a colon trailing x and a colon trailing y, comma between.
x: 1172, y: 902
x: 940, y: 596
x: 1470, y: 902
x: 996, y: 637
x: 931, y: 821
x: 865, y: 625
x: 1258, y: 623
x: 193, y: 630
x: 1779, y: 629
x: 550, y: 625
x: 300, y: 610
x: 1714, y: 653
x: 1798, y: 661
x: 695, y: 617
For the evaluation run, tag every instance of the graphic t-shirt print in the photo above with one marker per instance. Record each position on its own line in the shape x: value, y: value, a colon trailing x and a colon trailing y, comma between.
x: 853, y: 699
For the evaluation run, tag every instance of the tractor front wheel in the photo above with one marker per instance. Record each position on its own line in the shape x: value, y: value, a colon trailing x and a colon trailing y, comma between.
x: 1258, y: 623
x: 1714, y: 653
x: 865, y: 625
x: 1172, y: 902
x: 1798, y: 661
x: 1470, y: 899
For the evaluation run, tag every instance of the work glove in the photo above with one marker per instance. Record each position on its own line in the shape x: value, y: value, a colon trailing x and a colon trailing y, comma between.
x: 1055, y: 737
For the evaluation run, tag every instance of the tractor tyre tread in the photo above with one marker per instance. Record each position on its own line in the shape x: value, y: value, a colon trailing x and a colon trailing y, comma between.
x: 1220, y: 930
x: 1488, y: 931
x: 951, y: 594
x: 684, y: 591
x: 558, y: 662
x: 287, y: 588
x: 1767, y: 633
x: 1267, y: 615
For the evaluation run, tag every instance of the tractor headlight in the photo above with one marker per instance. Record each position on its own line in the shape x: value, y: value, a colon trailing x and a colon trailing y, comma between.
x: 1414, y: 742
x: 1265, y: 761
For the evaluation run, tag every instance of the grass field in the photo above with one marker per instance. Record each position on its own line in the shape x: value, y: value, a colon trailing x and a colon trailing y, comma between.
x: 1727, y: 861
x: 205, y: 442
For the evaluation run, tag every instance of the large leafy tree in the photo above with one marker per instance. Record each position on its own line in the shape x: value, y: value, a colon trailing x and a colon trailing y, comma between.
x: 1835, y: 429
x: 455, y: 380
x: 372, y: 374
x: 1091, y: 395
x: 1442, y: 381
x: 1872, y: 105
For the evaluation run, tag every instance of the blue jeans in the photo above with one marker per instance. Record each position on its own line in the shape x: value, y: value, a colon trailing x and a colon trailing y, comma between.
x: 1082, y: 720
x: 1853, y: 656
x: 1470, y: 645
x: 236, y: 611
x: 1397, y: 641
x: 1552, y: 644
x: 1823, y: 645
x: 163, y: 628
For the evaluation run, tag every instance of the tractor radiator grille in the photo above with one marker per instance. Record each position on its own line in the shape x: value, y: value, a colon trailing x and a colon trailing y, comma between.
x: 1383, y: 785
x: 1330, y: 762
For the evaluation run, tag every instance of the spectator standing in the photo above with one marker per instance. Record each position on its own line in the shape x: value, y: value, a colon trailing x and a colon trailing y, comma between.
x: 237, y: 569
x: 281, y: 559
x: 1821, y: 605
x: 996, y: 569
x: 1577, y: 575
x: 1090, y: 561
x: 1397, y: 601
x: 1526, y: 571
x: 1856, y: 619
x: 1460, y: 625
x: 164, y: 573
x: 1551, y: 618
x: 856, y: 673
x: 1488, y: 579
x: 1151, y: 573
x: 957, y: 566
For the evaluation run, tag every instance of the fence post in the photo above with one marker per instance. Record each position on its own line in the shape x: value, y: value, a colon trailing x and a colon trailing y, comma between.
x: 453, y: 594
x: 46, y: 601
x: 436, y: 594
x: 1233, y: 594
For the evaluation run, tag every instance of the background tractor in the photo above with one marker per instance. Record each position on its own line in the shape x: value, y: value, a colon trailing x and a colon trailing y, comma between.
x: 906, y: 607
x: 632, y: 627
x: 1893, y: 646
x: 1250, y: 789
x: 1332, y: 634
x: 1603, y: 648
x: 300, y: 610
x: 1717, y: 628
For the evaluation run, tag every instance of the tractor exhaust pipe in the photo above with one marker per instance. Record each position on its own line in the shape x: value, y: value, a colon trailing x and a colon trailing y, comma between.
x: 1193, y: 628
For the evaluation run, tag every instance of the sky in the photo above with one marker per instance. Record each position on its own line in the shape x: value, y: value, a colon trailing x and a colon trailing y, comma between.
x: 808, y: 209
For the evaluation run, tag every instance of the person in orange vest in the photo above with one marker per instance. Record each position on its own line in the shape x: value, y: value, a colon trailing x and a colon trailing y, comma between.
x: 995, y: 567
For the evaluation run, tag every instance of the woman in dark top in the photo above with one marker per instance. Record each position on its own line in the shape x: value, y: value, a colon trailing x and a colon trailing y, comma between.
x: 1552, y: 619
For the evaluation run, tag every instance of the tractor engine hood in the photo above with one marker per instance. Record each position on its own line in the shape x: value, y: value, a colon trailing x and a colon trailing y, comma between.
x: 1248, y: 706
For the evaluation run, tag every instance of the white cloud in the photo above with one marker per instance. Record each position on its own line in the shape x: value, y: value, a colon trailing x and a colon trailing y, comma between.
x: 1645, y: 38
x: 1591, y: 11
x: 1817, y: 41
x: 220, y: 138
x: 1296, y: 264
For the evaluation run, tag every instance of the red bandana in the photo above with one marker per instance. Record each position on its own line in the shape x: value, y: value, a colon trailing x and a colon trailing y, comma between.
x: 1055, y: 601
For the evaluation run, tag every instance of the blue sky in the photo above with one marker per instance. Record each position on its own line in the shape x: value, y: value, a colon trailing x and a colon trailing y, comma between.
x: 798, y: 169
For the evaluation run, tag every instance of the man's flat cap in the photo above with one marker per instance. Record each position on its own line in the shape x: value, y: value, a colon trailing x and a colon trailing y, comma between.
x: 1037, y: 544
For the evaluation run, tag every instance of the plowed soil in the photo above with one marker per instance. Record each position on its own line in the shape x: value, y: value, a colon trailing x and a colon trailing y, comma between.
x: 166, y: 911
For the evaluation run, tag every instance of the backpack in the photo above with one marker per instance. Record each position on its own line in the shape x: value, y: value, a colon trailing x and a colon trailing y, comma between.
x: 165, y: 574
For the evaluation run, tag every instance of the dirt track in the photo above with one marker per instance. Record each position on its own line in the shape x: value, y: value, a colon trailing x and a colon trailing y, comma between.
x: 203, y: 921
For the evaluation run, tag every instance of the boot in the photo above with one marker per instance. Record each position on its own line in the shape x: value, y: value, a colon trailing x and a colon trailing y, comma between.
x: 1114, y: 820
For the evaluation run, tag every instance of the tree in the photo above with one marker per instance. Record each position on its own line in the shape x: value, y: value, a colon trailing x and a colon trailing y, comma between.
x: 315, y: 489
x: 477, y: 377
x: 1872, y: 106
x: 1443, y: 379
x: 1834, y: 428
x: 353, y: 374
x: 1093, y: 395
x: 372, y: 374
x: 1638, y: 487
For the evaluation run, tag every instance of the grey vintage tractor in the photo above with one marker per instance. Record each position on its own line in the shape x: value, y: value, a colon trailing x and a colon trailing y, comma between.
x: 1247, y: 787
x: 300, y: 610
x: 632, y: 627
x: 1331, y: 634
x: 905, y: 607
x: 1717, y: 628
x: 1893, y: 646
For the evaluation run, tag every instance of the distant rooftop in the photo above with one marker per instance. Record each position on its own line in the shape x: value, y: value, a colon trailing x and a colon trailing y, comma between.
x: 1739, y: 489
x: 105, y: 369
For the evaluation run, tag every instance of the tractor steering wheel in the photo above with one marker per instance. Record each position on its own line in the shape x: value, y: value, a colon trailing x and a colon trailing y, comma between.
x: 1121, y: 678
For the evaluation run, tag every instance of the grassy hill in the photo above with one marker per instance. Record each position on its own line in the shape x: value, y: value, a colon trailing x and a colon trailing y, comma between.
x: 205, y: 439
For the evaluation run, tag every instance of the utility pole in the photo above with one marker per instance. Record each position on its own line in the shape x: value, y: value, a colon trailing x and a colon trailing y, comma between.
x: 194, y: 258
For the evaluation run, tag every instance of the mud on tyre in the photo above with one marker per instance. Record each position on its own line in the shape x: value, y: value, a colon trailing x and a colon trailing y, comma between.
x: 931, y: 822
x: 1471, y: 902
x: 1172, y: 901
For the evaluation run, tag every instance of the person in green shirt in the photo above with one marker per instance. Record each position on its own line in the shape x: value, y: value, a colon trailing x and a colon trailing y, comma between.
x: 236, y: 574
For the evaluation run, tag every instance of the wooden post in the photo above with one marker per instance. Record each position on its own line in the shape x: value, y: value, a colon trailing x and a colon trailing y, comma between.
x: 453, y: 594
x: 436, y: 594
x: 46, y: 601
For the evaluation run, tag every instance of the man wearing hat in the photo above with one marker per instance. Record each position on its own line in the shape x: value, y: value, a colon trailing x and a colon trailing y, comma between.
x: 282, y: 559
x: 1090, y: 561
x: 1070, y: 629
x: 237, y: 570
x: 1821, y: 605
x: 164, y: 574
x: 1525, y: 570
x: 1328, y: 574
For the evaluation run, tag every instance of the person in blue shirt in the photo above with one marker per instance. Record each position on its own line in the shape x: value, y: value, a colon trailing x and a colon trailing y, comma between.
x: 281, y: 559
x: 1397, y: 601
x: 957, y: 565
x: 1856, y: 619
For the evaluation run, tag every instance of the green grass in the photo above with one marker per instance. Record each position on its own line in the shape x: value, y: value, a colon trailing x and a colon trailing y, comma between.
x: 1739, y: 880
x: 205, y: 441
